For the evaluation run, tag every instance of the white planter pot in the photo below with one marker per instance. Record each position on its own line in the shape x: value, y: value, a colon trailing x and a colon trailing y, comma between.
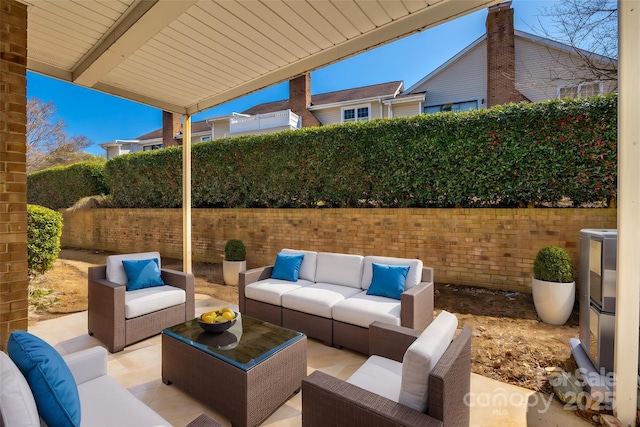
x: 231, y: 270
x: 553, y: 301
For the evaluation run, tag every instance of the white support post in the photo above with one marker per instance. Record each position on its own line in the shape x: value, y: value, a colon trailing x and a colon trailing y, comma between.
x: 186, y: 194
x: 628, y: 269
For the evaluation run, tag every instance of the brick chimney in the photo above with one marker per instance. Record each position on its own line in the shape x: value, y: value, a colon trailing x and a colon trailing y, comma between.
x: 170, y: 127
x: 501, y: 57
x: 300, y: 99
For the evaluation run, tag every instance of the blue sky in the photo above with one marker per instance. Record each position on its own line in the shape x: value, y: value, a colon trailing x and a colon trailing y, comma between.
x: 103, y: 118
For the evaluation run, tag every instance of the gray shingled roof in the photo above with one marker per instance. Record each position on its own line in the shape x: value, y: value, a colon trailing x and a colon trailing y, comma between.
x: 363, y: 92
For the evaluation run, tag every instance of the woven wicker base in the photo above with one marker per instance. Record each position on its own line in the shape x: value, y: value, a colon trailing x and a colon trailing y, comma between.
x: 246, y: 398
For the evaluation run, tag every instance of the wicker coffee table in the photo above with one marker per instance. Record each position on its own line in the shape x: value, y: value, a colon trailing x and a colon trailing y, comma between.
x: 244, y: 373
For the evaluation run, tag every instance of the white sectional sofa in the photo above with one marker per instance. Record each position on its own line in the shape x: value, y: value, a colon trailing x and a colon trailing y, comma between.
x: 329, y: 301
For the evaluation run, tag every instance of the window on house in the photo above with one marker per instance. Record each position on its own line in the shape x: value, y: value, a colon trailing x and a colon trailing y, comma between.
x: 205, y: 139
x: 152, y: 147
x: 583, y: 90
x: 454, y: 106
x: 356, y: 114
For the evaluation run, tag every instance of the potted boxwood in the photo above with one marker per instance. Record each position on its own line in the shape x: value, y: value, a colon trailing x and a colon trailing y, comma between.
x: 235, y: 261
x: 553, y: 285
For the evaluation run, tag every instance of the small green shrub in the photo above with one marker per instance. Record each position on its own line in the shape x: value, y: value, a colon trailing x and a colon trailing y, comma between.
x: 553, y: 264
x: 234, y: 250
x: 44, y: 228
x: 41, y: 297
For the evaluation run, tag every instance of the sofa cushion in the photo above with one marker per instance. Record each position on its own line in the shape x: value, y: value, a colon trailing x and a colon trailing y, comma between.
x: 317, y: 299
x: 388, y: 280
x: 17, y: 406
x: 52, y: 384
x: 413, y: 277
x: 99, y: 399
x: 115, y: 270
x: 142, y: 273
x: 270, y: 291
x: 287, y: 267
x: 362, y: 310
x: 339, y: 269
x: 148, y: 300
x: 379, y: 375
x: 308, y: 267
x: 421, y: 357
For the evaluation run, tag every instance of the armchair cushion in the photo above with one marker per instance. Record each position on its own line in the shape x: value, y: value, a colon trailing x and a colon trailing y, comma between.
x: 17, y: 406
x: 421, y: 357
x: 287, y: 267
x: 52, y: 384
x: 142, y: 273
x: 148, y: 300
x: 379, y: 375
x: 115, y: 271
x: 388, y: 280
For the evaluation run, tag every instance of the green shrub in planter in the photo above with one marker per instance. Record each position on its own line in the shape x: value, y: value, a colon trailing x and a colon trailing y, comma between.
x: 553, y: 264
x: 44, y: 228
x: 234, y: 250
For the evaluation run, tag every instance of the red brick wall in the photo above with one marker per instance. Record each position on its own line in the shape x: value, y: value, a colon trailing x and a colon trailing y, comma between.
x: 493, y: 248
x: 501, y: 57
x: 13, y: 167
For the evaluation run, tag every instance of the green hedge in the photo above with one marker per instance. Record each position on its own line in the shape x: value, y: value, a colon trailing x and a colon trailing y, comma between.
x: 511, y: 155
x: 44, y: 228
x: 62, y: 186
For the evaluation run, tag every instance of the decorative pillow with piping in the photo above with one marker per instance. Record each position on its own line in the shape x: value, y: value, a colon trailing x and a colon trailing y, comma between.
x: 52, y: 384
x: 388, y: 280
x: 287, y: 267
x: 142, y: 273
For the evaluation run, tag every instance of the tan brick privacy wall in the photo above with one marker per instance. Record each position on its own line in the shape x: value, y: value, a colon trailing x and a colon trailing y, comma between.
x: 493, y: 248
x: 13, y: 176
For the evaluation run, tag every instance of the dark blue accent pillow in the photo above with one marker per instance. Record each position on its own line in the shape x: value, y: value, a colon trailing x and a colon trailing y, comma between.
x: 52, y: 384
x: 142, y: 273
x: 287, y: 267
x: 388, y: 280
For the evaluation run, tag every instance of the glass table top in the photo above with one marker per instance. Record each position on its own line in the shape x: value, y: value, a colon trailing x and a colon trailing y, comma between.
x: 243, y: 345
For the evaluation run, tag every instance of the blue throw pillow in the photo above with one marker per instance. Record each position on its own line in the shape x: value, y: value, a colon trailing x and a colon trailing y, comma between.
x: 287, y: 267
x: 142, y: 273
x: 52, y: 384
x: 388, y: 280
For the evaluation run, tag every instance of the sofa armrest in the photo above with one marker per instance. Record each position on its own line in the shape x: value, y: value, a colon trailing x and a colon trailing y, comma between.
x: 251, y: 276
x: 450, y: 382
x: 416, y: 306
x: 186, y: 282
x: 328, y: 401
x: 390, y: 341
x: 86, y: 365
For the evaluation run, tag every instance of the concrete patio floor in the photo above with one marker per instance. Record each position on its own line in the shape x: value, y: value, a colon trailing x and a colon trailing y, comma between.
x: 138, y: 368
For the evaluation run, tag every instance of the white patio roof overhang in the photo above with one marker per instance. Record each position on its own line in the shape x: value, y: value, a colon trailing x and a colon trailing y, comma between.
x: 186, y: 56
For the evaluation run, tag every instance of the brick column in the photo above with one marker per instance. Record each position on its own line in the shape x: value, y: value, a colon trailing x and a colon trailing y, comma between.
x: 14, y: 281
x: 501, y: 57
x: 300, y: 99
x: 170, y: 126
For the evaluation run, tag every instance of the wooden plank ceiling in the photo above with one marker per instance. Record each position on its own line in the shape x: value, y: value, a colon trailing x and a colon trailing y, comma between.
x: 190, y: 55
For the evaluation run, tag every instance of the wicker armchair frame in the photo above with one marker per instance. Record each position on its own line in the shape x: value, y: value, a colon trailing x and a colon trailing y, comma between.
x: 106, y: 310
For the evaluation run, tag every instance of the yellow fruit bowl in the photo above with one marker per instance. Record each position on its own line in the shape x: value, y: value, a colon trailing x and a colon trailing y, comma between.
x: 217, y: 327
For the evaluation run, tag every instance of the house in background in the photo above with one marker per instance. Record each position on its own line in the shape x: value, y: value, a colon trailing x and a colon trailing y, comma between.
x: 502, y: 66
x: 506, y: 65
